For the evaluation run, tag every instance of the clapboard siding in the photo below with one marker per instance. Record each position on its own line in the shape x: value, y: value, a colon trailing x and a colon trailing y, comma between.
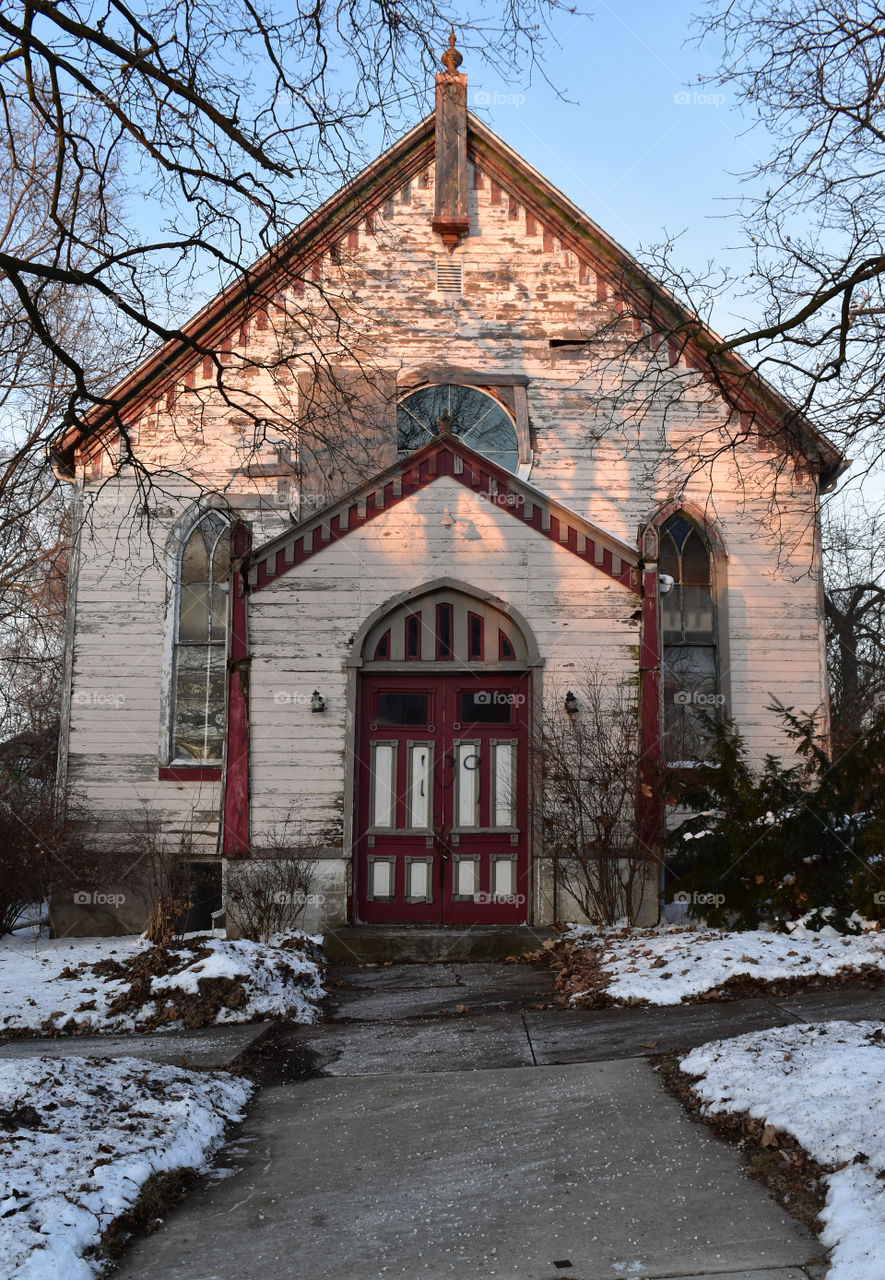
x: 590, y: 451
x: 577, y: 615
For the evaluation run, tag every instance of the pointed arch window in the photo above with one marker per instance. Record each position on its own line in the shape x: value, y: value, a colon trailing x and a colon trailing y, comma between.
x: 691, y: 660
x: 198, y: 691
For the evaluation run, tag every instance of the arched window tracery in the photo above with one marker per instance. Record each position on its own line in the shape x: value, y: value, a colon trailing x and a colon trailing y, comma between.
x: 200, y: 643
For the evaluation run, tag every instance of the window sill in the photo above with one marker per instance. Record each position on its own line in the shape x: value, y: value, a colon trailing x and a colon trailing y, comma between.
x: 189, y: 773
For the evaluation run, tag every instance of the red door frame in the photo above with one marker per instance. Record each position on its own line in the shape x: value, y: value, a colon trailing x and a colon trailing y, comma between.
x: 453, y: 747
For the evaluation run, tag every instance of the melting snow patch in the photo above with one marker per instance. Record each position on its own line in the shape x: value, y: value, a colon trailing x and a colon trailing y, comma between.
x: 79, y: 1139
x: 665, y: 966
x: 88, y: 985
x: 823, y: 1083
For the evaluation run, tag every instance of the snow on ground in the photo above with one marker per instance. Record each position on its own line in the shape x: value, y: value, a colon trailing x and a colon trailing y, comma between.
x: 79, y: 1138
x: 825, y: 1085
x: 667, y: 965
x: 88, y: 985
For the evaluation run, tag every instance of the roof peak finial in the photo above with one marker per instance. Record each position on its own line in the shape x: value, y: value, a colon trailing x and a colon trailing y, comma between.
x: 452, y: 59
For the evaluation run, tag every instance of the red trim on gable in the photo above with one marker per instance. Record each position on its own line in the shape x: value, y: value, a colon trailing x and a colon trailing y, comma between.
x: 450, y: 458
x: 353, y: 204
x: 649, y: 300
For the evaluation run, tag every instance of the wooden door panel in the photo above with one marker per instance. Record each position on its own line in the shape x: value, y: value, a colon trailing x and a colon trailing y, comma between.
x: 442, y: 788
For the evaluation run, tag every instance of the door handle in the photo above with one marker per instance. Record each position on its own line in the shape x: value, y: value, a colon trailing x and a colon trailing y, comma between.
x: 443, y: 761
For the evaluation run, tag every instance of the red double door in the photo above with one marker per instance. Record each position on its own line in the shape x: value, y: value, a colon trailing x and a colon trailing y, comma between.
x: 442, y: 799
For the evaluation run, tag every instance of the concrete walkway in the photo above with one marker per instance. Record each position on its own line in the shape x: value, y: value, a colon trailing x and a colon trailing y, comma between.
x: 210, y: 1048
x: 455, y: 1018
x: 439, y: 1125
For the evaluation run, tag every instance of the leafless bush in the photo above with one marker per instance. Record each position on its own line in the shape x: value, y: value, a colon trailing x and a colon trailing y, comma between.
x: 268, y: 892
x: 162, y: 867
x: 41, y: 853
x: 590, y: 765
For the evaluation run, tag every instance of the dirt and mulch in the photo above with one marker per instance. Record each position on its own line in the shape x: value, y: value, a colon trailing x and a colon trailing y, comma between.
x: 112, y: 985
x: 605, y: 968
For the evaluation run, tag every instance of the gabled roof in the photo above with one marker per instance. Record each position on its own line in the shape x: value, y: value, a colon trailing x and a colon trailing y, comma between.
x: 289, y: 260
x: 446, y: 456
x: 413, y: 153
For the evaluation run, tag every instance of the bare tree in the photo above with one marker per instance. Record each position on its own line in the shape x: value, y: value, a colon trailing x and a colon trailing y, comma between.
x: 154, y: 151
x: 589, y: 757
x: 761, y: 404
x: 814, y: 76
x: 855, y: 612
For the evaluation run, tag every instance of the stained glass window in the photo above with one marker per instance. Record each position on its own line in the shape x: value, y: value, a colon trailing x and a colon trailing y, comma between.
x: 690, y: 659
x: 200, y: 643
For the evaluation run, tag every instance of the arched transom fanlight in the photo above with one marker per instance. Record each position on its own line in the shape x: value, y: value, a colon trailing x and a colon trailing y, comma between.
x: 478, y: 419
x: 445, y: 626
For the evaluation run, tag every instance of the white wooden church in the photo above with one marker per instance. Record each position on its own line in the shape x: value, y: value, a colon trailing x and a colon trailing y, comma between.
x: 421, y: 466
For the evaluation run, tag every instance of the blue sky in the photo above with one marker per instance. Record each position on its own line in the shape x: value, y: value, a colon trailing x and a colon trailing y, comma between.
x: 627, y: 147
x: 641, y: 145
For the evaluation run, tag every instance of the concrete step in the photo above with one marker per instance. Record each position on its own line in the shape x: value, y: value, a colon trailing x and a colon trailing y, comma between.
x: 418, y: 944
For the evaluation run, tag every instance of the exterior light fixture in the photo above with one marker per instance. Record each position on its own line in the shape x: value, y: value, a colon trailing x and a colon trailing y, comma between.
x: 665, y: 583
x: 571, y: 704
x: 317, y: 701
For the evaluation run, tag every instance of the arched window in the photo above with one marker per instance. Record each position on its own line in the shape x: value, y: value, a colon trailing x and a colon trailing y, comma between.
x: 444, y: 626
x: 690, y: 639
x: 473, y: 416
x: 200, y: 643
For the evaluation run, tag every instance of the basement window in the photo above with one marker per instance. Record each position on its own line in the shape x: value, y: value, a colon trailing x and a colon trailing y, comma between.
x: 448, y: 274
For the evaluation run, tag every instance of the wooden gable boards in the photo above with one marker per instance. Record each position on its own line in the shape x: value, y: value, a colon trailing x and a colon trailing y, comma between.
x: 446, y: 457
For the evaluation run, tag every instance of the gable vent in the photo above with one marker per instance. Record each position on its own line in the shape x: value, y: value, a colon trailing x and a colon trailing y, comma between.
x: 448, y: 274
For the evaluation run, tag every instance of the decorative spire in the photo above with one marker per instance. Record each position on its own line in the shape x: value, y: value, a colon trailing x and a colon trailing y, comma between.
x: 451, y: 219
x: 452, y: 59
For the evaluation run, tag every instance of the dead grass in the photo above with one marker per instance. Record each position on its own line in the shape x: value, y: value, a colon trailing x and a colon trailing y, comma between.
x: 193, y: 1009
x: 159, y: 1194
